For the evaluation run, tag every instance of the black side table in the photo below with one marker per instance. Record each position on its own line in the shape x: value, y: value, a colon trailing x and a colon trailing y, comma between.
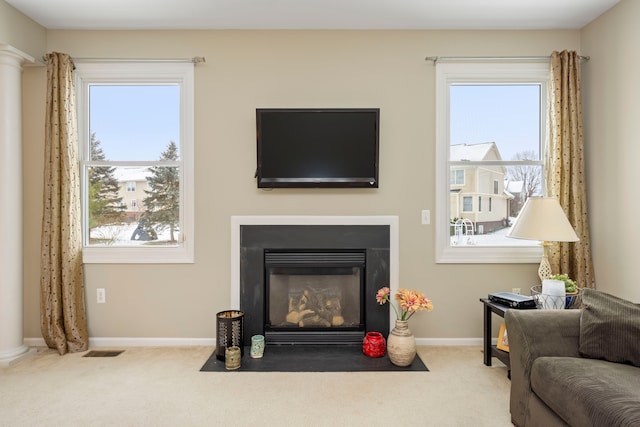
x: 491, y: 350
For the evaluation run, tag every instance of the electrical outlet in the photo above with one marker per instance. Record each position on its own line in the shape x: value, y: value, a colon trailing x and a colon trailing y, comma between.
x: 426, y: 216
x: 515, y: 290
x: 101, y: 295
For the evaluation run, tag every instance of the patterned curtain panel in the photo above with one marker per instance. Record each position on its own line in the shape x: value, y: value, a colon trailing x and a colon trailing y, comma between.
x: 62, y: 305
x: 566, y: 178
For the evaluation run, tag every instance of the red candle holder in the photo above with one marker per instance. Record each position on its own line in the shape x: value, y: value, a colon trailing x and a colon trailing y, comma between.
x: 374, y: 344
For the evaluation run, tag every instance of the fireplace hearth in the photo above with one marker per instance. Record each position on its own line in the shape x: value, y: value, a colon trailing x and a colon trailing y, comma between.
x: 313, y: 284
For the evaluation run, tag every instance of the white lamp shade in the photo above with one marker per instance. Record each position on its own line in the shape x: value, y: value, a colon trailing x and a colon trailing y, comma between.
x: 542, y: 218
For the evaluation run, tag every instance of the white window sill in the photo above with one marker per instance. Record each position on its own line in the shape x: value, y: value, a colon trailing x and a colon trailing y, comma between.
x: 156, y: 255
x: 489, y: 255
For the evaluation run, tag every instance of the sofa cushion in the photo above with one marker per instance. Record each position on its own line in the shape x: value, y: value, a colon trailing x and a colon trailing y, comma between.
x: 588, y: 392
x: 609, y: 328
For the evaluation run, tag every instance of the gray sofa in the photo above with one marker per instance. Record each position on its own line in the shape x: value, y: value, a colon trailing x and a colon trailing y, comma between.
x: 576, y: 367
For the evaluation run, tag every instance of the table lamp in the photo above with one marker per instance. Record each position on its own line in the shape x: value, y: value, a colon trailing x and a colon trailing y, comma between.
x: 543, y: 219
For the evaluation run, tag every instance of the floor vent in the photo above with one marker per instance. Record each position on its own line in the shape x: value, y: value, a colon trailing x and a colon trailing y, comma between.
x: 103, y: 353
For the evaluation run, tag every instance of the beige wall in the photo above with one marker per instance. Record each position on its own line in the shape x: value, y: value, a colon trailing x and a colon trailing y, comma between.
x: 611, y: 92
x: 245, y: 70
x: 21, y: 32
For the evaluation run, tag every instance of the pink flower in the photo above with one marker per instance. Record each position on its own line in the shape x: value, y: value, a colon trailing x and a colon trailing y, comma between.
x: 382, y: 295
x: 409, y: 302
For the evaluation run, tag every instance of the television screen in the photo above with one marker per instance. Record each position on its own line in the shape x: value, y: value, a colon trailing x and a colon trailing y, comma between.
x: 317, y: 147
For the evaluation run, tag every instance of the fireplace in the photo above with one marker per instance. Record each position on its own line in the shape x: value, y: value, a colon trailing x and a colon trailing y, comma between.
x: 302, y: 283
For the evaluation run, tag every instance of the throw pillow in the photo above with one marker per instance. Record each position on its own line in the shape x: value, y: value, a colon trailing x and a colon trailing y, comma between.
x: 609, y: 328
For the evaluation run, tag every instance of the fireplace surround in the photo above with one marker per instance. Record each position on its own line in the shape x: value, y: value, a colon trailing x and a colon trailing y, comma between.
x: 322, y: 249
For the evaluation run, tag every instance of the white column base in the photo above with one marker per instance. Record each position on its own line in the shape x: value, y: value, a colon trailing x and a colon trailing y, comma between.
x: 12, y: 357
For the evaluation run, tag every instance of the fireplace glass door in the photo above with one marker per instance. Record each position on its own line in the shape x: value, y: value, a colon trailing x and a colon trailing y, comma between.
x: 314, y: 297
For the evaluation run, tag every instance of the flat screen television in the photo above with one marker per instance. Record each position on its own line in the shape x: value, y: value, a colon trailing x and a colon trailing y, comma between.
x: 329, y: 147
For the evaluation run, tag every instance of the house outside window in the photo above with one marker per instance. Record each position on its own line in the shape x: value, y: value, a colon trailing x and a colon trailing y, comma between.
x: 491, y: 123
x: 135, y: 123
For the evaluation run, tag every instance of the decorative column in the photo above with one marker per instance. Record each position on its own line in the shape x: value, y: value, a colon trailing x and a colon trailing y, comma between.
x: 12, y: 346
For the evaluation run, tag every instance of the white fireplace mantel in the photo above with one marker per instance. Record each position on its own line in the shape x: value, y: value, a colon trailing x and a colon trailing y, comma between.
x: 238, y: 221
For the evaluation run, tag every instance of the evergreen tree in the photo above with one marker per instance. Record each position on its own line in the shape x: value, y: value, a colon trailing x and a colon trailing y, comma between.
x: 163, y: 198
x: 105, y: 207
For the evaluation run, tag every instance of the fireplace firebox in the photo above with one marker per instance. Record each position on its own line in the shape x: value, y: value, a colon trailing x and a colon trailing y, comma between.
x: 313, y: 284
x: 314, y: 295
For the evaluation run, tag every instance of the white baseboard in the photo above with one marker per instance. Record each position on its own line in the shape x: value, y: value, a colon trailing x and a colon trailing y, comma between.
x: 448, y: 342
x: 184, y: 342
x: 134, y: 342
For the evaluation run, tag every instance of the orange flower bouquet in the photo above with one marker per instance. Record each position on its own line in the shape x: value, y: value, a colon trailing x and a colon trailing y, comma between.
x: 409, y: 301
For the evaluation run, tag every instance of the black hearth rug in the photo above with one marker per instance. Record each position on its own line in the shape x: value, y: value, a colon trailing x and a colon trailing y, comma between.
x: 311, y: 358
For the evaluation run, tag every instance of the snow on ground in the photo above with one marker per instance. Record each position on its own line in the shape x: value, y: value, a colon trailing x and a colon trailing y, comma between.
x: 120, y: 235
x: 497, y: 238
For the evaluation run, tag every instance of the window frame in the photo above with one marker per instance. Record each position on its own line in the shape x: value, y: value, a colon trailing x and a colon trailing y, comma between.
x: 141, y: 73
x: 450, y: 73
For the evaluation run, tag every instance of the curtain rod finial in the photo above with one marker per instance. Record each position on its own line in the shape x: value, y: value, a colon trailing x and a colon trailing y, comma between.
x: 198, y: 59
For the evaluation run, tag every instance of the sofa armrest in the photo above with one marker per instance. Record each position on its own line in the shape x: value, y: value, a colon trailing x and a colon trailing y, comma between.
x: 532, y: 334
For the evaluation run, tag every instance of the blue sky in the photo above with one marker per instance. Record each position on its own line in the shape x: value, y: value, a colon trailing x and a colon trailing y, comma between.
x: 505, y: 114
x: 135, y: 122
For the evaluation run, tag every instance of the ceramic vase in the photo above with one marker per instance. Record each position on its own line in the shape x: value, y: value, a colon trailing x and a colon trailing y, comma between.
x: 401, y: 344
x: 373, y: 344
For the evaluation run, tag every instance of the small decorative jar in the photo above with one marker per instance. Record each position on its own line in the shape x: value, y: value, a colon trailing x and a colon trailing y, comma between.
x: 232, y: 358
x: 257, y: 346
x: 374, y: 345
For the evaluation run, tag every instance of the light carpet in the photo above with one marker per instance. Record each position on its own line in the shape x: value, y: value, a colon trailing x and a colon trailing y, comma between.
x: 163, y: 386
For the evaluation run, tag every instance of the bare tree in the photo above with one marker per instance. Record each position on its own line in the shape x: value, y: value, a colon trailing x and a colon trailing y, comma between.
x: 529, y: 175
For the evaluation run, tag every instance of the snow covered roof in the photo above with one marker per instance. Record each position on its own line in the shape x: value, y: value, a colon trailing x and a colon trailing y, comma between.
x: 126, y: 173
x: 473, y: 152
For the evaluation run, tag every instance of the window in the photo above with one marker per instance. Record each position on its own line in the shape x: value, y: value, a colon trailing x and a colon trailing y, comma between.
x: 491, y: 125
x: 467, y: 204
x: 135, y: 123
x: 457, y: 177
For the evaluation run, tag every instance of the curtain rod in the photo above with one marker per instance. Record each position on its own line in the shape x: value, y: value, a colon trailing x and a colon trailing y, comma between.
x: 494, y: 58
x: 195, y: 60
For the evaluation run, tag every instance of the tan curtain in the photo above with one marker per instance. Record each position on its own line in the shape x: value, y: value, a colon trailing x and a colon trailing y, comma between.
x: 565, y: 171
x: 62, y: 306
